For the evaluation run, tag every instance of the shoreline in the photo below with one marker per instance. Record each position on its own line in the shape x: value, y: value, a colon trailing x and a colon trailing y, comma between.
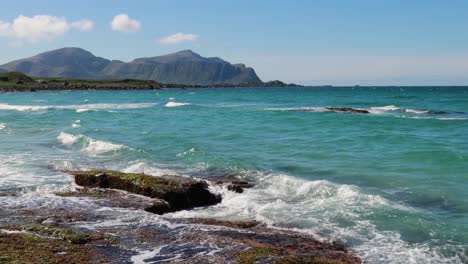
x: 228, y: 241
x: 19, y: 82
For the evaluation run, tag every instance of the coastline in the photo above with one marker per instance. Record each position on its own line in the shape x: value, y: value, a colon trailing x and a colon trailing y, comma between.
x: 228, y: 241
x: 19, y: 82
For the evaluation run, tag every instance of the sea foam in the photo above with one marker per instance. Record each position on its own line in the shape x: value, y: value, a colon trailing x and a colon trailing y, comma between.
x: 175, y: 104
x: 389, y: 110
x: 89, y: 145
x: 77, y: 108
x: 323, y: 209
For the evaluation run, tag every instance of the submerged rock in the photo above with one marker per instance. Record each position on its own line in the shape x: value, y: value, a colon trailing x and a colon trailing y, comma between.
x: 217, y: 222
x: 348, y: 109
x: 234, y: 185
x: 178, y: 193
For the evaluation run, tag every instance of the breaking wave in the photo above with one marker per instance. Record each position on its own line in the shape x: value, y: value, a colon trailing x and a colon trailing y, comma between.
x: 77, y: 108
x: 89, y: 145
x: 325, y: 210
x: 389, y: 110
x: 175, y: 104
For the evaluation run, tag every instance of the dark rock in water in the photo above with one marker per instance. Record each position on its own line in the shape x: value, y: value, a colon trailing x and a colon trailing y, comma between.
x: 235, y: 188
x: 238, y: 186
x: 233, y: 224
x: 180, y: 193
x: 434, y: 112
x: 117, y: 198
x: 347, y: 109
x: 234, y: 185
x: 219, y: 241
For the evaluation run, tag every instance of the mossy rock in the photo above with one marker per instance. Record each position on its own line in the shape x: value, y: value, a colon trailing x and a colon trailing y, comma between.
x: 255, y: 254
x: 72, y: 236
x: 307, y: 260
x: 180, y: 193
x: 25, y: 248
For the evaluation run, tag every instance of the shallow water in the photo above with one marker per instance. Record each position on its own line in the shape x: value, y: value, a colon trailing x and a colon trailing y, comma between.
x: 391, y: 184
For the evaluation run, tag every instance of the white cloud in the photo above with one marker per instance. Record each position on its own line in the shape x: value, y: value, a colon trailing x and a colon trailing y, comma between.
x: 40, y: 27
x: 83, y: 25
x: 124, y: 23
x: 178, y: 38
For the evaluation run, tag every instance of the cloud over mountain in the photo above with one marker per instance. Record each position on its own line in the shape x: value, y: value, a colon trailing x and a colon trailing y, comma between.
x: 40, y: 27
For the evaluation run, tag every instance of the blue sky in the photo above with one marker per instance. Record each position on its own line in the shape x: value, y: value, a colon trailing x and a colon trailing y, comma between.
x: 336, y: 42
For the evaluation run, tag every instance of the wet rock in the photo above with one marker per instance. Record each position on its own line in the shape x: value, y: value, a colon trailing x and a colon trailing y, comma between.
x: 347, y: 109
x: 179, y: 193
x: 233, y: 224
x: 234, y: 185
x: 117, y: 198
x: 25, y: 248
x: 265, y: 245
x: 52, y: 221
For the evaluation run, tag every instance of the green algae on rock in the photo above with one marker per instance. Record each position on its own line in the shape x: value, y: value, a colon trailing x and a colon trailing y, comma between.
x: 26, y: 248
x: 179, y: 192
x: 72, y: 236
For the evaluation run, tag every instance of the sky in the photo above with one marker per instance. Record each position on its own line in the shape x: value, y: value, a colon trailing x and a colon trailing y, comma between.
x: 316, y: 42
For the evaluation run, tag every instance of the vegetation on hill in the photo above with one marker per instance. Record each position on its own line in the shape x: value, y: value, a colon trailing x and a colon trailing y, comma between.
x: 17, y: 81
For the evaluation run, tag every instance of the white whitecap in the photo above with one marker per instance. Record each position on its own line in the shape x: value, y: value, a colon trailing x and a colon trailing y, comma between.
x: 321, y: 208
x: 81, y: 110
x: 305, y: 109
x: 89, y: 145
x: 175, y: 104
x: 23, y: 108
x: 2, y: 126
x: 77, y: 108
x: 68, y: 139
x: 416, y: 111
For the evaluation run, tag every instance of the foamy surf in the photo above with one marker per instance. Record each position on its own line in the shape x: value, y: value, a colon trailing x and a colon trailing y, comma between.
x: 175, y: 104
x: 77, y: 108
x: 389, y: 110
x: 89, y: 145
x: 324, y: 209
x: 2, y: 126
x: 299, y: 109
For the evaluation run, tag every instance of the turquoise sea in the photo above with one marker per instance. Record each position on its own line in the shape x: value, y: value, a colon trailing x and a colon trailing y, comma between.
x: 391, y: 184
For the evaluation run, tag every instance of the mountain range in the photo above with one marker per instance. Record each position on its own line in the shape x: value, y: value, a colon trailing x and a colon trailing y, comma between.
x: 183, y: 67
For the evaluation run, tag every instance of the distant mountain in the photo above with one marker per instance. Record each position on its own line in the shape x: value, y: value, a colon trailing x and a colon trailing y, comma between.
x: 66, y: 62
x: 184, y: 67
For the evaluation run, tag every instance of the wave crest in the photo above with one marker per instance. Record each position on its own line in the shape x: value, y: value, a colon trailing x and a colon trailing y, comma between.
x: 389, y: 110
x: 77, y: 108
x: 175, y: 104
x: 89, y: 145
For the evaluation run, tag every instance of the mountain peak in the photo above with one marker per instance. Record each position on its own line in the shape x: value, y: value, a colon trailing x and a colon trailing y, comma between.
x: 182, y: 67
x: 184, y: 54
x: 67, y: 51
x: 187, y: 52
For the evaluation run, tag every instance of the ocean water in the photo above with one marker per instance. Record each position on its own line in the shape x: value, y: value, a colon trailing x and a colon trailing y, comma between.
x: 391, y: 184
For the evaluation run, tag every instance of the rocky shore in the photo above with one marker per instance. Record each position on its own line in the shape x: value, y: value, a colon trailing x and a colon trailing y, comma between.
x: 54, y: 236
x: 19, y: 82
